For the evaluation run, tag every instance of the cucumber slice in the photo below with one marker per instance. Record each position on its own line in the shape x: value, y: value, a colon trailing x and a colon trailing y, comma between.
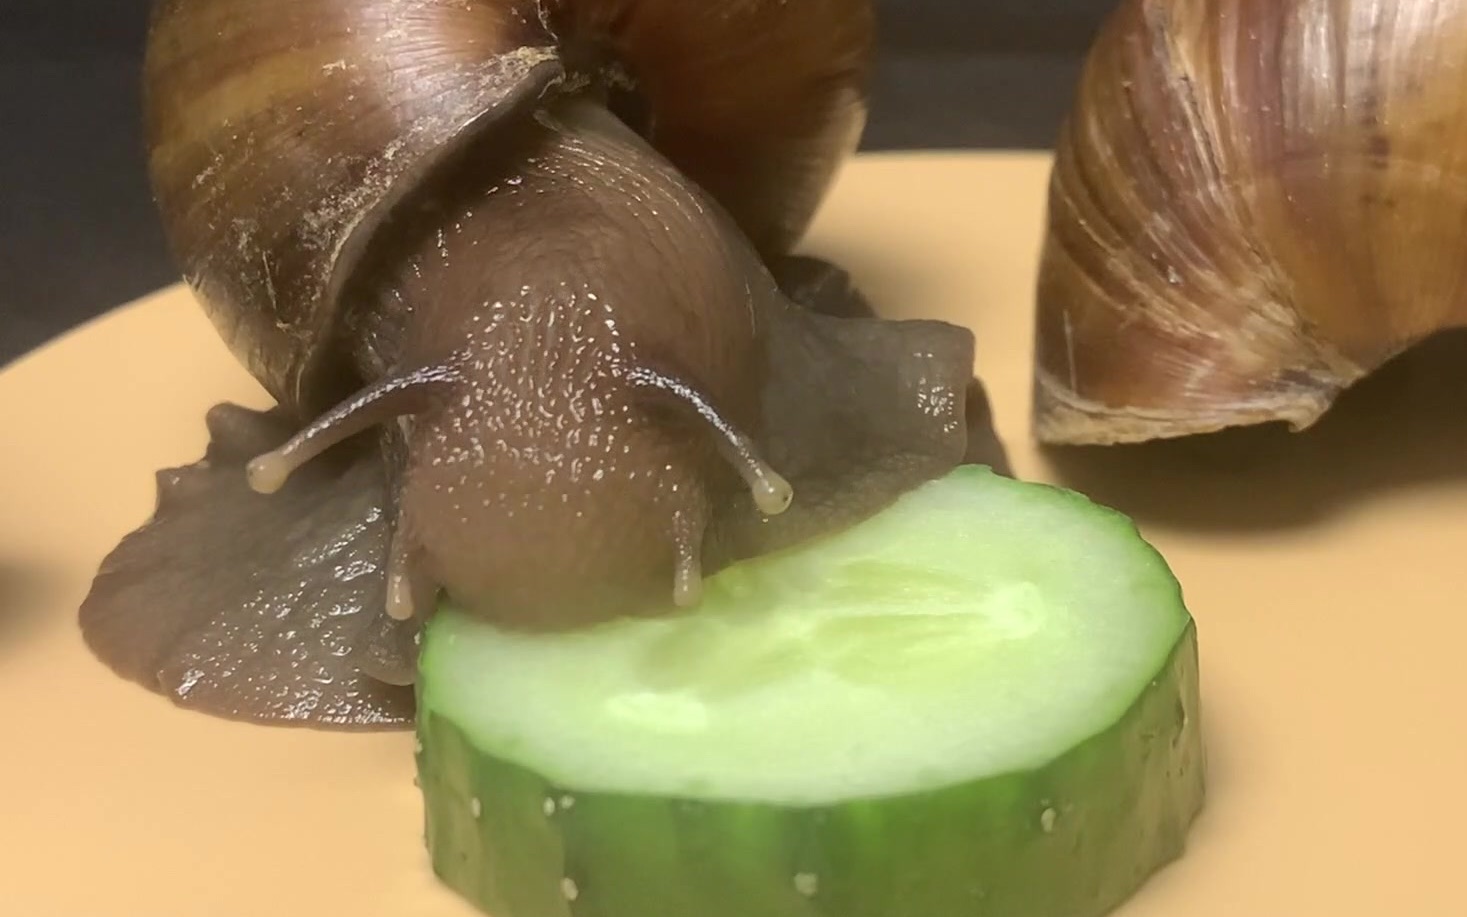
x: 983, y: 700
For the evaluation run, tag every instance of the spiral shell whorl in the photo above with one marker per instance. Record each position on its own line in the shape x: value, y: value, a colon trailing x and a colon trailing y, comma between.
x: 1253, y: 205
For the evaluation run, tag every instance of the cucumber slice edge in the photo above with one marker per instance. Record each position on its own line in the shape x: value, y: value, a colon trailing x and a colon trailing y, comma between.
x: 629, y: 750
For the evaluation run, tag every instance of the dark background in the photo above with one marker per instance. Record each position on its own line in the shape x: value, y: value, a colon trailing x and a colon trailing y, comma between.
x: 77, y: 230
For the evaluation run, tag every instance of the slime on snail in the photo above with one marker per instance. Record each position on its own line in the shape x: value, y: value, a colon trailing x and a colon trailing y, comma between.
x: 539, y: 340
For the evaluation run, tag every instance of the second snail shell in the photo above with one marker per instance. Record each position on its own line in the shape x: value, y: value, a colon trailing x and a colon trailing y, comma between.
x: 1254, y: 204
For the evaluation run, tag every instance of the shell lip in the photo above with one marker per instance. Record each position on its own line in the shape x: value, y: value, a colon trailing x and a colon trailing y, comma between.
x: 1062, y: 417
x: 540, y: 81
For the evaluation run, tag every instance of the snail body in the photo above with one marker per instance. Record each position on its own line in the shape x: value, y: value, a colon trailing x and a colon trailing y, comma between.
x: 1253, y: 206
x: 557, y: 404
x: 518, y: 277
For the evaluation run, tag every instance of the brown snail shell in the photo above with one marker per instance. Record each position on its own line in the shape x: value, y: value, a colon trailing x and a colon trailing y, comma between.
x: 1254, y: 204
x: 282, y: 132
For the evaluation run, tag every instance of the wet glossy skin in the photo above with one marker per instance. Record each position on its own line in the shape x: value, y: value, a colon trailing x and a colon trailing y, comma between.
x: 255, y: 609
x: 544, y: 487
x: 520, y: 404
x: 531, y: 365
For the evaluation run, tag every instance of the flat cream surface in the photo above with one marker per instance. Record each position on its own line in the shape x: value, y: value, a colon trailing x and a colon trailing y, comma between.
x: 1327, y: 572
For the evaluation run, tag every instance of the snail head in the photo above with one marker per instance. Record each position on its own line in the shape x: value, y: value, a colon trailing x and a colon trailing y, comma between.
x: 560, y: 466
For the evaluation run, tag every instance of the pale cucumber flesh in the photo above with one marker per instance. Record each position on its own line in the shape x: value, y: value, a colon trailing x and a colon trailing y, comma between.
x: 983, y: 700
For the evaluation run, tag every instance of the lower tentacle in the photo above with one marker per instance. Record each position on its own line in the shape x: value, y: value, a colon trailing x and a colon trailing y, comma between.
x: 411, y: 594
x: 687, y: 590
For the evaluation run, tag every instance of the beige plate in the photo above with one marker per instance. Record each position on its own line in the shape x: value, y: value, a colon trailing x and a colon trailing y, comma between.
x: 1327, y: 571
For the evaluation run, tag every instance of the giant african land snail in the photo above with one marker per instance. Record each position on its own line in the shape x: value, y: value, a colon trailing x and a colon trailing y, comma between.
x: 539, y: 254
x: 1255, y: 203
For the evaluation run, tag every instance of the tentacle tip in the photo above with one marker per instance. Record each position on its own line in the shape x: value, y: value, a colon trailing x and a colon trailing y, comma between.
x: 772, y: 493
x: 267, y: 473
x: 400, y: 604
x: 687, y: 588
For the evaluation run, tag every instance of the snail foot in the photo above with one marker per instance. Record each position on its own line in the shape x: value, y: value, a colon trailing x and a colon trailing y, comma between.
x: 857, y: 409
x: 250, y: 609
x: 389, y: 650
x: 826, y: 289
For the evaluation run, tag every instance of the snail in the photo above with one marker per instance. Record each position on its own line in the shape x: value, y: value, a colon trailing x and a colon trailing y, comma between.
x: 521, y: 279
x: 1253, y: 206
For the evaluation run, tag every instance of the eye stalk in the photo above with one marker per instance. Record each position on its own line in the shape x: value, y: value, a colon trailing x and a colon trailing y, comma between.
x: 771, y: 492
x: 388, y: 398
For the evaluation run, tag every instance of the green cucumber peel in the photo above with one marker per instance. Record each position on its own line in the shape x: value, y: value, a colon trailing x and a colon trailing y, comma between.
x: 982, y: 700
